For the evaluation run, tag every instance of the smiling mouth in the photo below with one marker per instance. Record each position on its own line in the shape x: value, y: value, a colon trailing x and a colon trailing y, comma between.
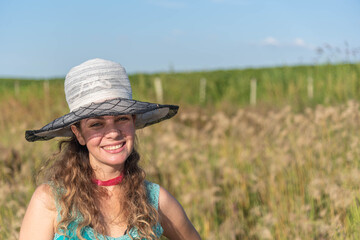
x: 114, y: 147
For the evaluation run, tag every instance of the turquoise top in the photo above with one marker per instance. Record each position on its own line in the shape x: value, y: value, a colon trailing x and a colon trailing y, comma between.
x: 89, y: 233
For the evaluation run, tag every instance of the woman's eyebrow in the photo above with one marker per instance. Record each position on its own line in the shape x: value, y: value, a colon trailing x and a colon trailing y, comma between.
x: 95, y: 118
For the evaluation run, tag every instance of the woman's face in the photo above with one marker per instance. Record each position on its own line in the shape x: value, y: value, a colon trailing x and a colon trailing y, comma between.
x: 109, y: 139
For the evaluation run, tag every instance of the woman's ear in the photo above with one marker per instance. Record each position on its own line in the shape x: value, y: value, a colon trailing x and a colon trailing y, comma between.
x: 78, y: 135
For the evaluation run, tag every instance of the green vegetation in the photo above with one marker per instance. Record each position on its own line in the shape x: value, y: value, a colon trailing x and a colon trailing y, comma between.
x: 280, y: 86
x: 285, y: 168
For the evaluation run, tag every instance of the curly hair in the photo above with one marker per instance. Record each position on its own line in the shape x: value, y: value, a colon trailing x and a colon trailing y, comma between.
x: 70, y: 171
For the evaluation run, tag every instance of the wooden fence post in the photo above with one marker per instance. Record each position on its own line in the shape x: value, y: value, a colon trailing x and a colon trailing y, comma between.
x: 253, y: 91
x: 158, y: 90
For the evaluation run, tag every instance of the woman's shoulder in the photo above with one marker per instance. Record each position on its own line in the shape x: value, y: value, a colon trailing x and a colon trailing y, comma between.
x: 45, y: 195
x: 159, y: 196
x: 39, y: 219
x: 157, y: 193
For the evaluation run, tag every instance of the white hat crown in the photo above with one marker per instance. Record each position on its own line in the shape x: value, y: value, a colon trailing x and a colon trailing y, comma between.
x: 95, y: 81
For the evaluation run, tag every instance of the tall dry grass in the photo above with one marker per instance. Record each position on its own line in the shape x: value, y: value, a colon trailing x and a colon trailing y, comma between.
x: 249, y: 173
x: 269, y: 174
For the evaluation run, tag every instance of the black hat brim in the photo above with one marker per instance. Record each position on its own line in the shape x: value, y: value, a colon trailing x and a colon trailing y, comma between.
x: 146, y: 114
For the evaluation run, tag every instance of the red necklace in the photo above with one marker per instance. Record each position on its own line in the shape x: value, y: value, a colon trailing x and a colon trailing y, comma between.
x: 110, y: 182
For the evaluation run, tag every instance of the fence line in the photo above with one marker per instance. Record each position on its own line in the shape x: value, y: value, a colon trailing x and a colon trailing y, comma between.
x: 202, y: 89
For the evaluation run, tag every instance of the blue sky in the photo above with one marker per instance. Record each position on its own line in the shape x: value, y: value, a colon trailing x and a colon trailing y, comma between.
x: 45, y: 39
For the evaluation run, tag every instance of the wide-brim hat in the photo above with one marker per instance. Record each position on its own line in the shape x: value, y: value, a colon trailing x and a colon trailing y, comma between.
x: 99, y: 88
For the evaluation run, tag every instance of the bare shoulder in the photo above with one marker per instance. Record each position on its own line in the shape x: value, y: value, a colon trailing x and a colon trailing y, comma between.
x: 44, y: 196
x: 165, y: 197
x: 173, y: 218
x: 40, y: 216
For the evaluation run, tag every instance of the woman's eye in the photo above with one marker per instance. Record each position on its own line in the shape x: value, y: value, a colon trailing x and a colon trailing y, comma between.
x: 124, y: 118
x: 95, y: 124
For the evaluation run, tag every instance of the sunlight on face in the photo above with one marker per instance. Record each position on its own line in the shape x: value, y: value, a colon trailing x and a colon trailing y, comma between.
x: 109, y: 139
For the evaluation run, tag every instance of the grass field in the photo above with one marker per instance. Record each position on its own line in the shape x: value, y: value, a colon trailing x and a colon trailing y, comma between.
x: 331, y: 84
x: 286, y: 168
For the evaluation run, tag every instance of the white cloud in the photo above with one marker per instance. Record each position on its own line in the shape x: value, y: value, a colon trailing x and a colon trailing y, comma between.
x: 270, y: 41
x: 299, y: 42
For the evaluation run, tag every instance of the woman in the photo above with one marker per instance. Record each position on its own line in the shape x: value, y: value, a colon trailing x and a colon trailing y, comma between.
x: 95, y: 188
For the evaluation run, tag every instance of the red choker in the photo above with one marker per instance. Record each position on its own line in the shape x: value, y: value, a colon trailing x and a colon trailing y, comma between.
x: 110, y: 182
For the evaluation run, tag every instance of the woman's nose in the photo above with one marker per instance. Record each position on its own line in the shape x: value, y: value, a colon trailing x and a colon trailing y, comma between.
x: 113, y: 132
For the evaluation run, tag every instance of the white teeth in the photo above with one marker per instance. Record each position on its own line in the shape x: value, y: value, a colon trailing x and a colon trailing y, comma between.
x: 113, y: 147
